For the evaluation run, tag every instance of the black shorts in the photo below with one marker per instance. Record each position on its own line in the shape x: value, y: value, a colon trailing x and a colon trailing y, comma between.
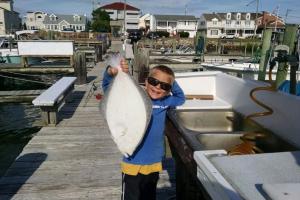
x: 139, y: 187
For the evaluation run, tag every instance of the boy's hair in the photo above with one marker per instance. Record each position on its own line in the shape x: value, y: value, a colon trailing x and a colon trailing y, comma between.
x: 164, y: 69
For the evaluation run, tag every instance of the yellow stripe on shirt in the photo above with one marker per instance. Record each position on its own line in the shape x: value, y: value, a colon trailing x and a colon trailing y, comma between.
x: 133, y: 170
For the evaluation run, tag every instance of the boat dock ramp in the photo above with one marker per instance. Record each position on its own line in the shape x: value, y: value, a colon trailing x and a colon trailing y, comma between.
x: 76, y: 159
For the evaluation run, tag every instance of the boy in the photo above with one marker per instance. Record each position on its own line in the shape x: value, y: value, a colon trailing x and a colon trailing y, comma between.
x: 140, y: 172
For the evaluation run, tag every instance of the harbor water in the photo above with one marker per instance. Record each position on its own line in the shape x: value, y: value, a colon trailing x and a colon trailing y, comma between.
x: 18, y: 123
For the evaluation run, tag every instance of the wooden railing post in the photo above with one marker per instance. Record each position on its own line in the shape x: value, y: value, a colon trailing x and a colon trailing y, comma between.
x: 80, y: 68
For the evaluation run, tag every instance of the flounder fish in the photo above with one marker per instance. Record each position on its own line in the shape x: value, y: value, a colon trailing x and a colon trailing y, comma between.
x: 127, y: 109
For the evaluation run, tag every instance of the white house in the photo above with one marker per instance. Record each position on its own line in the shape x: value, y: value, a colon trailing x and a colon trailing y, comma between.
x: 35, y: 20
x: 144, y: 22
x: 174, y: 24
x: 57, y: 22
x: 231, y: 24
x: 116, y: 12
x: 10, y: 21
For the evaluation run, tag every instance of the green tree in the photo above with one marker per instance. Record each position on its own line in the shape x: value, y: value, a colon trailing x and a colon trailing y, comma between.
x: 101, y: 21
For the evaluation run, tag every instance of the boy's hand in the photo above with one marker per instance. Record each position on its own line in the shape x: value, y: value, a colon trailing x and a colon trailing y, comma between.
x: 114, y: 71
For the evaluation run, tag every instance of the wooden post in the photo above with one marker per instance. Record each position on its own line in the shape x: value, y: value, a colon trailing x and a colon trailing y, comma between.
x: 99, y: 47
x: 289, y: 40
x: 174, y: 45
x: 24, y: 61
x: 49, y: 115
x: 264, y: 54
x: 80, y: 68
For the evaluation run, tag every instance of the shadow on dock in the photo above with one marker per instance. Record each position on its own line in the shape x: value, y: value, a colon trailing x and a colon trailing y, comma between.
x: 68, y: 109
x: 18, y: 174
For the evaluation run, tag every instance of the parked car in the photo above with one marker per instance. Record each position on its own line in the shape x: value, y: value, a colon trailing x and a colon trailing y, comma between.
x: 229, y: 36
x: 134, y: 36
x: 68, y: 30
x: 152, y: 35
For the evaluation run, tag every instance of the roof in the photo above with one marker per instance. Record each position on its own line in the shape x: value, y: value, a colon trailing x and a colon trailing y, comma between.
x: 68, y: 18
x: 175, y: 17
x: 119, y: 6
x: 222, y: 16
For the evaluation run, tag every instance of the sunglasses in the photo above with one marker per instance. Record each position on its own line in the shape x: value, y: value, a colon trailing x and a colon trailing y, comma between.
x: 154, y: 82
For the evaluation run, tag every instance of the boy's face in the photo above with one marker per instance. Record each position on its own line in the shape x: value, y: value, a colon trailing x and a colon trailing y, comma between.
x: 156, y: 92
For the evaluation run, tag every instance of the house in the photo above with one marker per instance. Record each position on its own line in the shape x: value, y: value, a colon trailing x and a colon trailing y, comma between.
x: 57, y: 22
x: 35, y: 20
x: 227, y: 25
x: 144, y: 22
x: 116, y: 12
x: 174, y: 24
x: 271, y: 21
x: 10, y: 21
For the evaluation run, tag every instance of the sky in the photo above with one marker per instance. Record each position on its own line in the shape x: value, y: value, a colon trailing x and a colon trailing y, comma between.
x: 177, y: 7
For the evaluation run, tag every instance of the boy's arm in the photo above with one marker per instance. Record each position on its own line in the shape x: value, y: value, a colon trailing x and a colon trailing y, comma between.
x: 177, y: 98
x: 111, y: 72
x: 107, y: 78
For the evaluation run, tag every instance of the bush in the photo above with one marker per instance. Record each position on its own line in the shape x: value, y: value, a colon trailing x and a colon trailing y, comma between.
x: 163, y: 33
x: 184, y: 34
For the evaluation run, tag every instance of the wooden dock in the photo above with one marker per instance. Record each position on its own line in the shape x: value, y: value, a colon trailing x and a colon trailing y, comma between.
x: 77, y: 159
x: 19, y: 95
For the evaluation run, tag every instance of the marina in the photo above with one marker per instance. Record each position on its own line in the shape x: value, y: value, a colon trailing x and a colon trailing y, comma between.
x: 77, y: 159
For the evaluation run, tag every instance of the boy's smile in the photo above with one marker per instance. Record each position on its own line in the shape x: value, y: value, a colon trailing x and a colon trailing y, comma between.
x: 155, y: 92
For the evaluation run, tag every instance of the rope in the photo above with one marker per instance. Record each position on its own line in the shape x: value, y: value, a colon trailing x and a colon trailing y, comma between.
x: 20, y: 79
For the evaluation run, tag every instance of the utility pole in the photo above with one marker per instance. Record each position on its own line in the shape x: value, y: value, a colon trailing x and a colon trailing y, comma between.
x: 286, y: 15
x: 256, y: 14
x: 124, y: 17
x: 93, y: 3
x: 185, y: 11
x: 257, y: 2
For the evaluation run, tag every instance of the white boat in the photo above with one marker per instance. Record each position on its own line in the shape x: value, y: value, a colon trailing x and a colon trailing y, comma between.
x: 267, y: 175
x: 246, y: 70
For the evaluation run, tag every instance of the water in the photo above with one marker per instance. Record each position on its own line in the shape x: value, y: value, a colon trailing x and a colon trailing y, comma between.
x: 18, y: 123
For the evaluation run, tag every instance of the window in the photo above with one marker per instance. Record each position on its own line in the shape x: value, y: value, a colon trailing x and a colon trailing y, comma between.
x: 132, y: 13
x: 202, y: 23
x: 215, y: 22
x: 228, y: 22
x: 214, y: 32
x: 132, y: 23
x: 249, y: 31
x: 237, y: 22
x: 248, y: 16
x: 228, y: 17
x: 55, y: 27
x: 161, y: 23
x: 247, y: 23
x: 172, y: 24
x: 238, y: 16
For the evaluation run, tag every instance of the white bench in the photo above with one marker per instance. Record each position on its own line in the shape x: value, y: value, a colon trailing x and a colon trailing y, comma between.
x: 50, y: 100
